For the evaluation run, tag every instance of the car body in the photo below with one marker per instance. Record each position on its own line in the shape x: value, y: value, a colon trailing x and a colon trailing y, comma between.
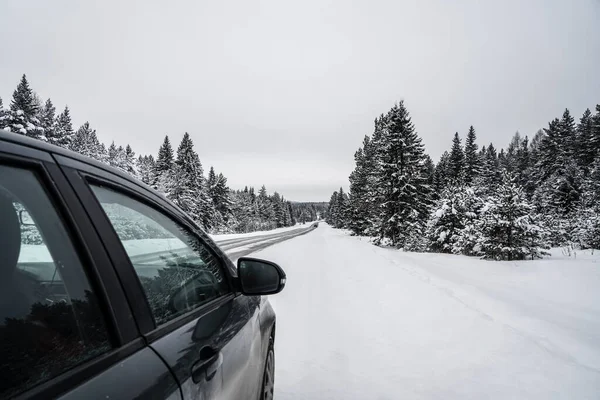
x: 111, y: 291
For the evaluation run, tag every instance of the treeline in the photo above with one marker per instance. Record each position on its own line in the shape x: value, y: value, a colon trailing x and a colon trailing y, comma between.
x: 509, y: 204
x: 178, y: 174
x: 309, y: 211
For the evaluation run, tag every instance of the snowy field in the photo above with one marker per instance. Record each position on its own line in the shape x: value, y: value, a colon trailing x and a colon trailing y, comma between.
x: 361, y: 322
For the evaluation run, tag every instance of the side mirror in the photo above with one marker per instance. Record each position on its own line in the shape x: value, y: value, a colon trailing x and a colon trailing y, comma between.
x: 260, y: 277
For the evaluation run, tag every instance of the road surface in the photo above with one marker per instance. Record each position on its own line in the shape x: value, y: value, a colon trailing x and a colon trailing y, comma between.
x: 360, y: 322
x: 242, y: 246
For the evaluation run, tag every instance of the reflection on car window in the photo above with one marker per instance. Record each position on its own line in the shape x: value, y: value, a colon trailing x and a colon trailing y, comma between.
x: 50, y: 320
x: 177, y: 272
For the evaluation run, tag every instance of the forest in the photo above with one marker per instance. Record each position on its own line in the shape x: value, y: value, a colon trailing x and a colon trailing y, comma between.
x: 490, y: 202
x: 177, y: 173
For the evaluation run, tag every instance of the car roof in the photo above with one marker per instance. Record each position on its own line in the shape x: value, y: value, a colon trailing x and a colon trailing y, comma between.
x: 17, y: 138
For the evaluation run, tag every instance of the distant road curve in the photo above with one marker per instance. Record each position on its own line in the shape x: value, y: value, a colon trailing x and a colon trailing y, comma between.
x: 239, y: 247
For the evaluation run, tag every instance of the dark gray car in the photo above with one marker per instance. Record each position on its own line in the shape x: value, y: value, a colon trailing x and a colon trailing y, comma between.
x: 109, y: 291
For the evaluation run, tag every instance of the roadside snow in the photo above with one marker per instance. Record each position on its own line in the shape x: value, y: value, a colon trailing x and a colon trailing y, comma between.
x: 361, y: 322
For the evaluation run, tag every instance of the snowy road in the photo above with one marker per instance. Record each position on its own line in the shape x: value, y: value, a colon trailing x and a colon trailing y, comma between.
x: 240, y: 246
x: 360, y: 322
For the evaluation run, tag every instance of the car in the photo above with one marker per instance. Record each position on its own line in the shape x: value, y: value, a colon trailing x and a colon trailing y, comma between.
x: 110, y: 291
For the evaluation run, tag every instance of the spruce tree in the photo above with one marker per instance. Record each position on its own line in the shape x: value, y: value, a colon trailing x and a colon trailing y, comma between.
x: 188, y: 187
x: 359, y: 201
x: 24, y: 109
x: 472, y: 162
x: 164, y: 161
x: 86, y: 142
x: 594, y: 142
x: 509, y: 230
x: 490, y: 176
x: 456, y: 162
x: 550, y: 150
x: 568, y: 137
x: 445, y: 221
x: 63, y: 132
x: 47, y: 119
x: 130, y: 161
x: 401, y: 176
x: 3, y: 115
x: 146, y: 168
x: 585, y: 151
x: 512, y: 153
x: 441, y: 177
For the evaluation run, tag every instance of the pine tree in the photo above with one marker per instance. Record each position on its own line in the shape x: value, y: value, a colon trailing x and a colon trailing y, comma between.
x: 266, y: 212
x: 594, y: 142
x: 456, y: 162
x: 164, y: 161
x: 3, y: 115
x: 188, y: 188
x: 146, y: 169
x: 441, y: 178
x: 445, y: 222
x: 22, y: 117
x: 63, y: 131
x: 129, y: 162
x: 117, y: 157
x: 402, y: 179
x: 359, y: 201
x: 512, y: 153
x: 222, y: 200
x: 490, y: 176
x: 452, y: 224
x: 585, y: 151
x: 566, y: 190
x: 47, y: 119
x: 568, y: 137
x: 86, y: 142
x: 509, y: 230
x: 472, y: 162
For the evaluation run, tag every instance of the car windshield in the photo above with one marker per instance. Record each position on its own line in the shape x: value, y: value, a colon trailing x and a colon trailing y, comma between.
x: 427, y: 173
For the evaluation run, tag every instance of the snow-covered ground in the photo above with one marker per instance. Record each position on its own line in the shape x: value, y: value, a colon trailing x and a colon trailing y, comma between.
x: 360, y: 322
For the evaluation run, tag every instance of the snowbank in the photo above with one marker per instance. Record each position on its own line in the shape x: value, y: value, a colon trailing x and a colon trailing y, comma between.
x: 360, y: 322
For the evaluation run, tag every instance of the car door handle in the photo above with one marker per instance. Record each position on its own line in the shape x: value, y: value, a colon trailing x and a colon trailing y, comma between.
x: 208, y: 364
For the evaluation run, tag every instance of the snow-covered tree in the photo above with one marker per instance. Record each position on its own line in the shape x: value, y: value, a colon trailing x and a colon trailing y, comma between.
x: 23, y: 113
x: 360, y: 201
x: 188, y: 186
x: 63, y: 133
x: 456, y: 161
x: 441, y: 178
x: 146, y: 168
x: 452, y: 226
x: 404, y: 195
x: 3, y: 115
x: 85, y: 141
x: 129, y: 161
x: 490, y: 176
x: 472, y: 162
x: 47, y: 118
x: 164, y: 163
x: 585, y: 150
x: 509, y: 230
x: 445, y: 221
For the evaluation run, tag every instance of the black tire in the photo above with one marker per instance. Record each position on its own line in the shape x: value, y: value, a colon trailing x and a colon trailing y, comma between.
x: 268, y: 381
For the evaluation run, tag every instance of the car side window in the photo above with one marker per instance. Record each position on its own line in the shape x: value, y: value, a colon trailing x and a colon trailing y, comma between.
x: 177, y: 271
x: 50, y: 320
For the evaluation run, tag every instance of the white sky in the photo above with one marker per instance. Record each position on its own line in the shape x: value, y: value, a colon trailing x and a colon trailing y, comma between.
x: 282, y: 92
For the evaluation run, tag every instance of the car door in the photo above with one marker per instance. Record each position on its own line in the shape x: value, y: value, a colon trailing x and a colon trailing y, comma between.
x: 65, y: 327
x: 195, y: 321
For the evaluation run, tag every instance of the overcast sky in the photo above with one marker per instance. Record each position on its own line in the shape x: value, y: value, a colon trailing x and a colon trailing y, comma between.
x: 282, y: 92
